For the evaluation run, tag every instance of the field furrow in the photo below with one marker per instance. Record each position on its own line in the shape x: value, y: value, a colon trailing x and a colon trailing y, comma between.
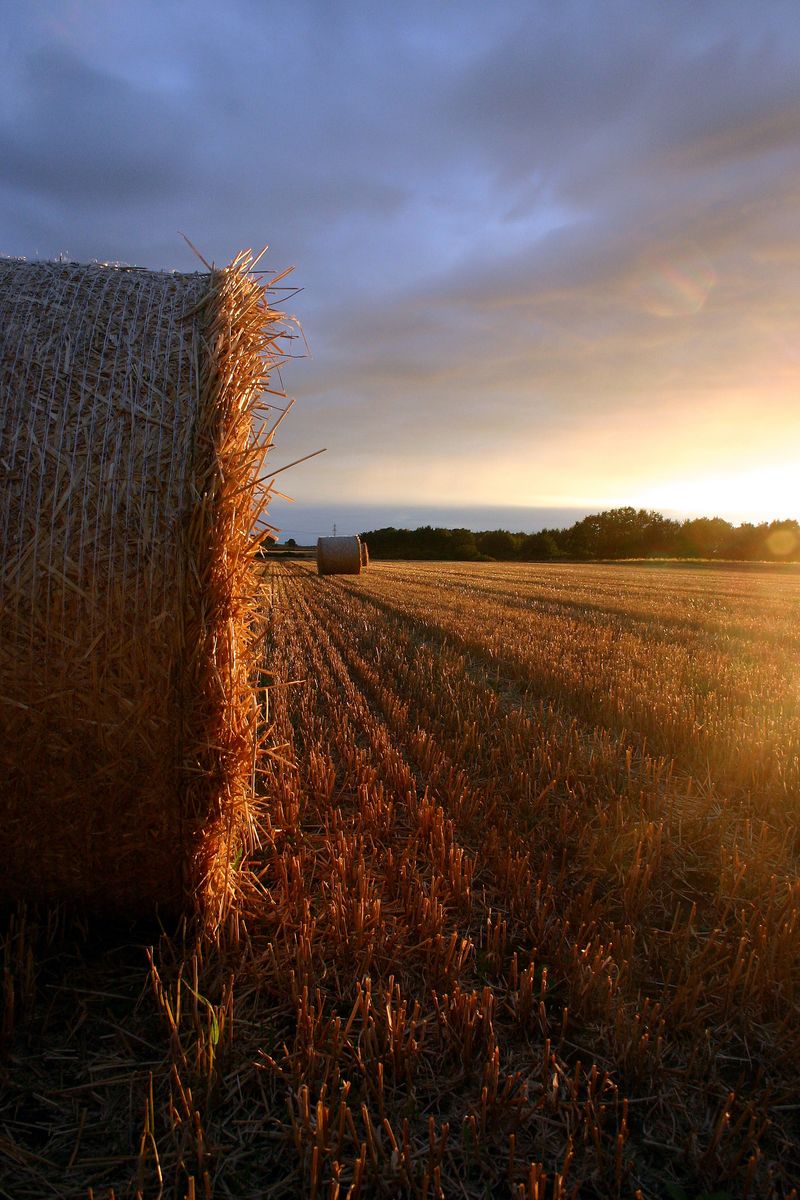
x: 524, y: 919
x: 558, y: 879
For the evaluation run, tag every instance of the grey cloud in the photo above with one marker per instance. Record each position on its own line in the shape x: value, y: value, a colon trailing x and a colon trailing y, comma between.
x: 470, y: 193
x: 83, y: 135
x: 589, y: 82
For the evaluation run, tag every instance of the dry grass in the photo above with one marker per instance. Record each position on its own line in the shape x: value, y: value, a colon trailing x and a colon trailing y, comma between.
x: 512, y: 930
x: 129, y: 400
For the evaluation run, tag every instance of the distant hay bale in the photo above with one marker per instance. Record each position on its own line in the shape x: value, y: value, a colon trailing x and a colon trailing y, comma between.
x: 339, y: 555
x: 364, y: 556
x: 132, y: 436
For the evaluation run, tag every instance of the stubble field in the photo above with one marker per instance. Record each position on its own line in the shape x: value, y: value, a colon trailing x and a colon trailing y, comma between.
x: 525, y: 920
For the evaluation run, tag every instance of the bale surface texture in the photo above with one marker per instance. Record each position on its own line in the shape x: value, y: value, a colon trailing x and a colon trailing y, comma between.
x: 129, y: 401
x: 339, y: 556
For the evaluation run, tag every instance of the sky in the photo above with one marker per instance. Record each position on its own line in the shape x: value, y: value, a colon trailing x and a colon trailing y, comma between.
x: 549, y: 251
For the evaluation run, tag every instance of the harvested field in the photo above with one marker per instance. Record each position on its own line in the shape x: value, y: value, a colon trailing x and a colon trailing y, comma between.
x: 524, y: 922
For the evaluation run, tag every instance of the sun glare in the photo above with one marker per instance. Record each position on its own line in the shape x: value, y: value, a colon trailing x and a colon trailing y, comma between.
x: 759, y: 494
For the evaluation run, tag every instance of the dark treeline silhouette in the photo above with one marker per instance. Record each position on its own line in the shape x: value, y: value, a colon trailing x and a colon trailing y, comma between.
x: 618, y: 533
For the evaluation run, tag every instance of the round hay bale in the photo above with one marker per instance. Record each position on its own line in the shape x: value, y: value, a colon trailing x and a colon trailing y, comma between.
x: 132, y: 436
x: 339, y: 555
x: 364, y: 556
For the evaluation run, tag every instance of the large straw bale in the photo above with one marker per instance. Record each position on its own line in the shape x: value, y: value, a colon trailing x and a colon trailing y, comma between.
x: 339, y: 555
x: 132, y: 436
x: 364, y: 556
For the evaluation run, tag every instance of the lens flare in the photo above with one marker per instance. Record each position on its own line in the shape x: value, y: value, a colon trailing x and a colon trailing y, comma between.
x: 781, y: 543
x: 674, y: 280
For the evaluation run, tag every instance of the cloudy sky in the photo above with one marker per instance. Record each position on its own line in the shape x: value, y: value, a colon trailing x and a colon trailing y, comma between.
x: 549, y: 251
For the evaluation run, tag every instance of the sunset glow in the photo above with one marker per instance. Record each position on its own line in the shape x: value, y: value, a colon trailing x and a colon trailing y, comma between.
x: 756, y: 494
x: 399, y: 594
x: 546, y: 257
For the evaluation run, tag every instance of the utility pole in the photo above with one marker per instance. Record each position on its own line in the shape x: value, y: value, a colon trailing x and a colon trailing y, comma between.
x: 334, y: 529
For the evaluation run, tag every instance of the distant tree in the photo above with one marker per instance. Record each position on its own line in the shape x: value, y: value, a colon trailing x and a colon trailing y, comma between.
x: 747, y: 542
x: 660, y: 536
x: 782, y: 540
x: 582, y: 539
x: 290, y: 543
x: 463, y: 546
x: 621, y: 533
x: 539, y: 547
x: 497, y: 543
x: 422, y: 543
x: 615, y: 533
x: 704, y: 537
x: 774, y: 540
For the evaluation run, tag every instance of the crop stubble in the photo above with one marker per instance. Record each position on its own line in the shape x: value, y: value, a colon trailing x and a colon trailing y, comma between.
x: 525, y: 916
x: 565, y: 810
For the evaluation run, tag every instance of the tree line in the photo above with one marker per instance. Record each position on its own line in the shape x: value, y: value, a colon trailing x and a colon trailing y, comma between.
x: 615, y: 534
